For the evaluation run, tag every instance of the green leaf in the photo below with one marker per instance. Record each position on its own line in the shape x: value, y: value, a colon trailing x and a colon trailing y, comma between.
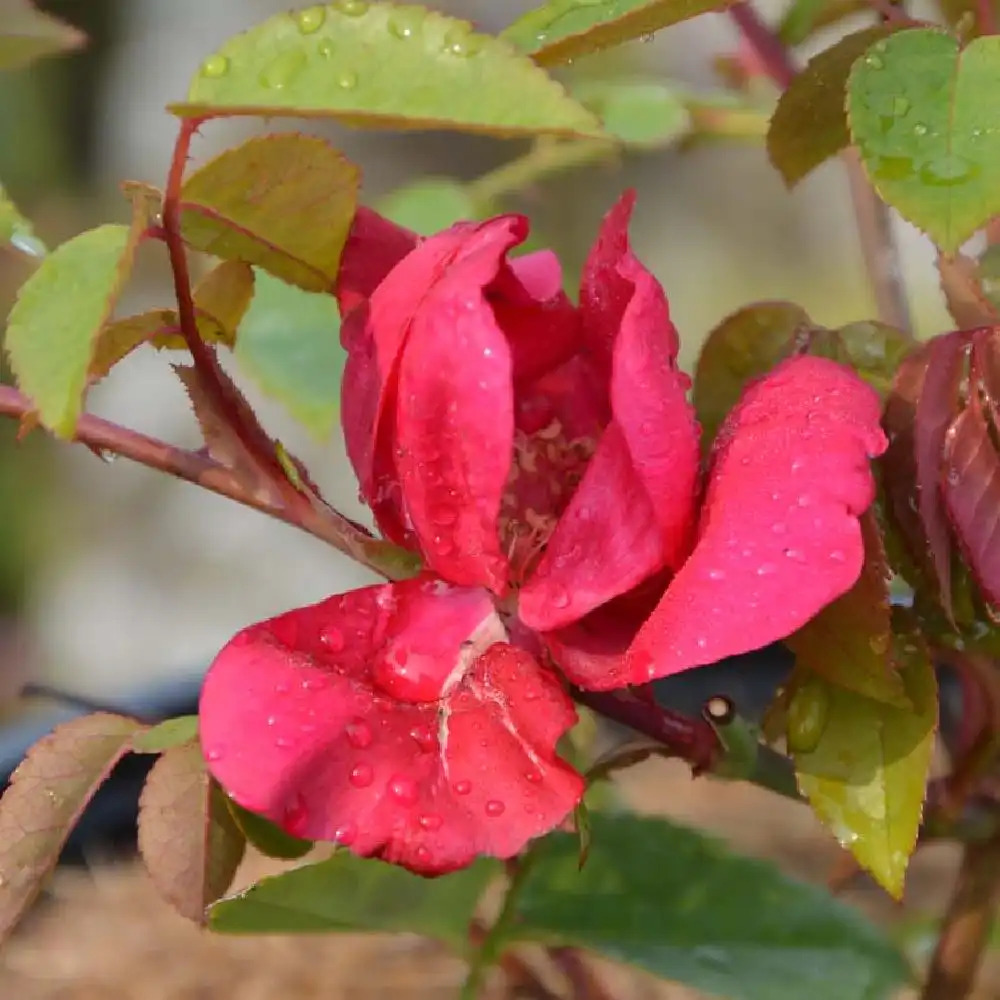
x: 269, y: 839
x: 383, y: 65
x: 866, y: 775
x: 47, y: 793
x: 681, y: 906
x: 283, y: 202
x: 641, y: 113
x: 58, y: 316
x: 347, y: 893
x: 26, y: 34
x: 562, y: 30
x: 803, y: 17
x: 429, y: 205
x: 810, y: 123
x: 188, y: 838
x: 745, y: 344
x: 848, y: 643
x: 289, y: 343
x: 874, y: 350
x: 16, y: 230
x: 169, y: 733
x: 923, y: 114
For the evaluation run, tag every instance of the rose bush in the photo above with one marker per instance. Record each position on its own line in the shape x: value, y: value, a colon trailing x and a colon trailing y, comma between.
x: 543, y: 460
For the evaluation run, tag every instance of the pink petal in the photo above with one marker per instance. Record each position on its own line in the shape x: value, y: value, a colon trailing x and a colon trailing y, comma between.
x: 634, y: 511
x: 455, y: 419
x: 298, y: 723
x: 374, y: 247
x: 778, y: 537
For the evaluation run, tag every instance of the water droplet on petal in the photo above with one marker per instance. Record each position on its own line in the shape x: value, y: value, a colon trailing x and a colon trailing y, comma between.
x: 361, y: 776
x: 352, y: 8
x: 333, y: 639
x: 346, y: 834
x: 347, y: 79
x: 295, y: 816
x: 533, y: 776
x: 423, y: 855
x: 424, y: 737
x: 271, y: 720
x: 359, y: 734
x: 796, y: 555
x: 310, y: 20
x: 559, y: 597
x: 214, y: 754
x: 766, y: 569
x: 838, y: 555
x: 494, y: 808
x: 430, y: 821
x: 463, y: 787
x: 283, y: 69
x: 282, y: 742
x: 701, y: 642
x: 215, y: 66
x: 403, y: 789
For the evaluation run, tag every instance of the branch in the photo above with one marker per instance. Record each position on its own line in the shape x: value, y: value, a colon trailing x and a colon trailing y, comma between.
x: 966, y: 924
x: 872, y: 215
x: 196, y: 467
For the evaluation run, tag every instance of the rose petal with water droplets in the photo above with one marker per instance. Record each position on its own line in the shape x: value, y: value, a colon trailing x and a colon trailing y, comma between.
x: 796, y: 449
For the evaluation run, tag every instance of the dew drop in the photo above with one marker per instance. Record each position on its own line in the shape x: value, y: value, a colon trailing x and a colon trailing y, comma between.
x: 560, y: 597
x: 271, y: 720
x: 796, y: 555
x: 214, y: 754
x: 495, y: 808
x: 430, y: 821
x: 346, y: 834
x: 701, y: 642
x: 879, y: 643
x: 282, y: 742
x: 948, y: 171
x: 900, y: 106
x: 462, y: 787
x: 766, y: 569
x: 873, y: 61
x: 215, y: 66
x: 716, y: 574
x: 838, y: 555
x: 424, y: 737
x: 283, y: 69
x: 347, y: 79
x: 359, y: 734
x: 405, y: 22
x: 808, y: 712
x: 423, y: 855
x: 295, y: 817
x: 534, y: 777
x: 333, y: 639
x: 352, y: 8
x: 403, y: 790
x: 920, y: 129
x: 460, y: 41
x: 326, y: 49
x: 310, y: 20
x: 361, y: 776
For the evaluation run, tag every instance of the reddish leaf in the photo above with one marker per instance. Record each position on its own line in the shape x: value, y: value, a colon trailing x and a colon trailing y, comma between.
x: 395, y: 720
x: 923, y: 403
x: 47, y: 793
x: 848, y: 643
x: 188, y: 838
x: 971, y: 488
x: 962, y: 285
x: 986, y: 368
x: 779, y: 537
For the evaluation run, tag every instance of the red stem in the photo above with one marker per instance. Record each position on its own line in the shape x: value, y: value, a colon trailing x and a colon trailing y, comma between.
x: 768, y: 46
x: 986, y: 17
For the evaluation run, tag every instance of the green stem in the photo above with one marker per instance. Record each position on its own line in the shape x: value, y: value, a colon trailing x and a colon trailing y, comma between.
x: 492, y: 945
x: 547, y: 156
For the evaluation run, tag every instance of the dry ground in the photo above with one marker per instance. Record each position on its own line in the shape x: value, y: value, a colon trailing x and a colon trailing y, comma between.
x: 107, y: 936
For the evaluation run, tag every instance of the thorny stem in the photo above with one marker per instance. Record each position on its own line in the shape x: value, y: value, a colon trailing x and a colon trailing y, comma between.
x: 196, y: 467
x: 873, y: 217
x: 966, y: 924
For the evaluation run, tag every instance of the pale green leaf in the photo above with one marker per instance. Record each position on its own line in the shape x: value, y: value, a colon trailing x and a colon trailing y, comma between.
x: 58, y: 316
x: 289, y: 344
x: 641, y: 113
x: 169, y: 733
x: 383, y: 65
x: 16, y: 230
x: 924, y: 115
x: 27, y: 34
x: 562, y: 30
x: 865, y: 772
x: 429, y: 205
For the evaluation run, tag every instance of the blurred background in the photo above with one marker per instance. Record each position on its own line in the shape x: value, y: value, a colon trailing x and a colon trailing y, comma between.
x: 114, y: 578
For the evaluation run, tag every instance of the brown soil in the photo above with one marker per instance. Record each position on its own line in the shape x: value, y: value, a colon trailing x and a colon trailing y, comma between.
x: 106, y: 935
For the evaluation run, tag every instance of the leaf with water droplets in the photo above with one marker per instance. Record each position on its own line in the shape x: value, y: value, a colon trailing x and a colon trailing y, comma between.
x: 866, y: 775
x: 283, y: 202
x: 188, y: 839
x: 809, y: 124
x: 47, y: 793
x: 923, y: 113
x: 347, y: 893
x: 60, y: 311
x: 220, y: 299
x: 563, y: 30
x: 799, y: 943
x: 289, y: 344
x: 383, y: 65
x: 645, y: 114
x: 27, y: 34
x: 16, y: 230
x: 923, y: 403
x: 848, y: 643
x: 745, y: 344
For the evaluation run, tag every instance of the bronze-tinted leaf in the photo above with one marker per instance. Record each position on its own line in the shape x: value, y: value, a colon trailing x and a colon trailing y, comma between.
x: 849, y: 642
x: 188, y: 838
x: 963, y: 290
x: 971, y: 486
x: 46, y: 796
x: 922, y: 405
